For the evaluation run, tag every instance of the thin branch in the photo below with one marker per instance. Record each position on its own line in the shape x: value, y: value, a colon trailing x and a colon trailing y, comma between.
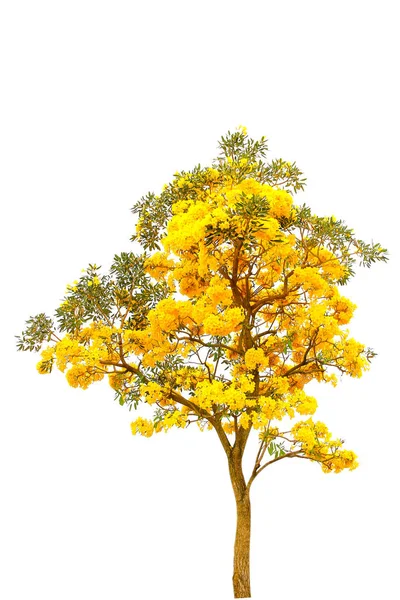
x: 270, y: 462
x: 215, y: 422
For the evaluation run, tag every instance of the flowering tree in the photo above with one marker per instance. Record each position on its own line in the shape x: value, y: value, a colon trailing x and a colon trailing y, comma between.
x: 232, y: 308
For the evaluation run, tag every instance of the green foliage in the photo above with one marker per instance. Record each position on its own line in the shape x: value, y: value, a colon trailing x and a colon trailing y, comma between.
x: 337, y: 237
x: 154, y: 213
x: 125, y: 294
x: 90, y: 299
x: 239, y: 147
x: 38, y: 330
x: 277, y: 450
x: 131, y: 396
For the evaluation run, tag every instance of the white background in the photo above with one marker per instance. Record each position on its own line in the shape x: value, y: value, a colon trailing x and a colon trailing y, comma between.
x: 100, y: 103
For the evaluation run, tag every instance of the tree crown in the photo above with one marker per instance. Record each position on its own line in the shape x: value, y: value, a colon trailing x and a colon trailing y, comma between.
x: 232, y: 308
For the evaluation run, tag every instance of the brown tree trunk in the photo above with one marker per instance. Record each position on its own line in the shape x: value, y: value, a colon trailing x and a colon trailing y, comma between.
x: 241, y: 559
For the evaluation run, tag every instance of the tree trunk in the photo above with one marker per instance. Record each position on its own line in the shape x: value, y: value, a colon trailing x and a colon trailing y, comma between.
x: 241, y: 559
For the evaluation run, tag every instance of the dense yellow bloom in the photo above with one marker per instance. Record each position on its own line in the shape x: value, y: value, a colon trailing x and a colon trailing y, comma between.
x: 245, y: 420
x: 353, y: 359
x: 271, y: 408
x: 68, y: 351
x: 262, y: 419
x: 228, y: 427
x: 234, y: 398
x: 268, y: 230
x: 142, y: 426
x: 170, y: 419
x: 80, y: 375
x: 317, y: 442
x: 158, y: 265
x: 255, y: 357
x: 169, y: 315
x: 304, y: 404
x: 208, y: 394
x: 218, y: 292
x: 153, y: 392
x: 279, y: 385
x: 47, y: 356
x: 224, y: 323
x: 246, y: 293
x: 306, y: 436
x: 245, y: 383
x: 280, y: 203
x: 310, y: 281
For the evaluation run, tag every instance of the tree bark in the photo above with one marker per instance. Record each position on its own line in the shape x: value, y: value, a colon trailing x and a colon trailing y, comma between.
x: 241, y: 558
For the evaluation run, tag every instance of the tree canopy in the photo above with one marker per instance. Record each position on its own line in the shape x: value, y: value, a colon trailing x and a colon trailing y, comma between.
x: 233, y: 307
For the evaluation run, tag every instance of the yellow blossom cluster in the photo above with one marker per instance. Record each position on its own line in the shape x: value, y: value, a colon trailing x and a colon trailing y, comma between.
x: 174, y: 418
x: 224, y: 323
x: 81, y: 356
x: 328, y: 263
x: 309, y: 279
x: 228, y: 427
x: 149, y: 343
x: 353, y: 359
x: 169, y: 315
x: 276, y: 408
x: 235, y: 396
x: 80, y: 375
x: 142, y: 426
x: 187, y: 378
x: 152, y: 392
x: 255, y: 358
x: 267, y: 230
x: 280, y: 203
x: 208, y: 393
x: 68, y: 351
x: 317, y: 443
x: 245, y: 420
x: 47, y: 357
x: 170, y: 418
x: 218, y: 293
x: 158, y: 265
x: 193, y: 217
x: 118, y: 379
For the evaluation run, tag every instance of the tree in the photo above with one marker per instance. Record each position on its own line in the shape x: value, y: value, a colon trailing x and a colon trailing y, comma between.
x: 230, y: 311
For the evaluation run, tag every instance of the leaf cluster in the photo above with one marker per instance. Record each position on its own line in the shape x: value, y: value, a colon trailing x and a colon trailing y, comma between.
x: 336, y: 236
x: 125, y: 295
x: 38, y: 330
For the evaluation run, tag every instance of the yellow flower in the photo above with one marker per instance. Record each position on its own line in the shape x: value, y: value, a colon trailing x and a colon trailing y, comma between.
x: 143, y: 427
x: 152, y: 392
x: 255, y: 357
x: 244, y: 420
x: 228, y: 427
x: 224, y: 323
